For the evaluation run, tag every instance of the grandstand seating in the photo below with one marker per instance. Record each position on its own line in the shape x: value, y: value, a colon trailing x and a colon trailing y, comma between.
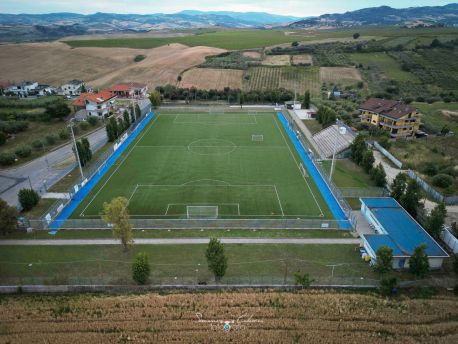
x: 327, y: 138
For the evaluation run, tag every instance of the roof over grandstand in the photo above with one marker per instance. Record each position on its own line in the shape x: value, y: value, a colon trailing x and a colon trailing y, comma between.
x: 391, y: 108
x: 401, y: 232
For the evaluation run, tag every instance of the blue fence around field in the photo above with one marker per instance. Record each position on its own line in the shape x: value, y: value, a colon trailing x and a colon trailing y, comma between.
x: 331, y: 201
x: 84, y: 191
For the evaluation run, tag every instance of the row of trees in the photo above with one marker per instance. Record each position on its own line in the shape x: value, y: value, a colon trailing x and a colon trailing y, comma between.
x: 115, y: 128
x: 364, y: 157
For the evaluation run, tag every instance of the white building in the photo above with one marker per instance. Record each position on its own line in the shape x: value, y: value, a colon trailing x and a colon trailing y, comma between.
x: 96, y: 104
x: 24, y: 89
x: 72, y: 88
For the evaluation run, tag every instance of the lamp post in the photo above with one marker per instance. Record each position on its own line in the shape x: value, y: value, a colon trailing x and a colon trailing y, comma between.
x: 76, y: 149
x: 342, y: 131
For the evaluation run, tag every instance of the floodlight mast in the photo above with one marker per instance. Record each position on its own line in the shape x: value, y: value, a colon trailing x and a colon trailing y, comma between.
x: 341, y: 131
x: 76, y: 149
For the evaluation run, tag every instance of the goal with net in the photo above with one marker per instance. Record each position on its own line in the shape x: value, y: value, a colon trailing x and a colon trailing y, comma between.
x: 303, y: 170
x: 202, y: 212
x: 216, y: 111
x: 257, y: 138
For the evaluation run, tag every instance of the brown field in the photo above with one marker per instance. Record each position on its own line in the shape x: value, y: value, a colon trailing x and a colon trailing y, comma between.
x: 263, y: 317
x: 339, y: 75
x: 210, y: 78
x: 302, y: 59
x: 55, y: 63
x: 277, y: 60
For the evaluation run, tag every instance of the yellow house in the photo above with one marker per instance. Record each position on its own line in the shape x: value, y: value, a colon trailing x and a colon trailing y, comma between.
x: 396, y: 117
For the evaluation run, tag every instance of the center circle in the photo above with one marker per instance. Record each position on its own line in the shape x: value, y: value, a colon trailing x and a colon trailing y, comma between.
x: 212, y: 147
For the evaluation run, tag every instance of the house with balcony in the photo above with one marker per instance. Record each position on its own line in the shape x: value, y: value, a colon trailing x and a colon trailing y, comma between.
x: 23, y: 89
x: 397, y: 118
x: 129, y: 90
x: 95, y: 104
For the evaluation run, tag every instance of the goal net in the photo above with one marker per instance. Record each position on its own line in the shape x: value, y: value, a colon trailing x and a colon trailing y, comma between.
x: 216, y: 111
x: 252, y: 112
x: 202, y: 212
x: 257, y: 138
x: 303, y: 170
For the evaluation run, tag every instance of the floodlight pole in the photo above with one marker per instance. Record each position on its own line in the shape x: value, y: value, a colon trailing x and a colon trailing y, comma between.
x: 76, y: 149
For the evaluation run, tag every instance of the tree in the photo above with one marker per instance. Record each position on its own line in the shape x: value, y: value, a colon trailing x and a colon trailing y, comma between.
x: 8, y: 217
x: 58, y: 109
x: 378, y: 175
x: 216, y: 259
x: 87, y: 149
x: 306, y: 103
x: 455, y: 263
x: 179, y: 78
x: 28, y: 198
x: 155, y: 99
x: 116, y: 214
x: 442, y: 180
x: 384, y: 260
x: 303, y: 280
x: 126, y: 118
x: 138, y: 112
x: 358, y: 147
x: 295, y: 44
x: 368, y: 160
x: 83, y: 88
x: 2, y: 138
x: 418, y: 262
x: 141, y: 268
x: 411, y: 199
x: 356, y: 35
x: 399, y: 186
x: 435, y: 221
x: 112, y: 129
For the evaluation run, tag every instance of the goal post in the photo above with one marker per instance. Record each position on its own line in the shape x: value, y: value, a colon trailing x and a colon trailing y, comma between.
x: 303, y: 170
x: 216, y: 111
x: 202, y: 212
x: 257, y: 138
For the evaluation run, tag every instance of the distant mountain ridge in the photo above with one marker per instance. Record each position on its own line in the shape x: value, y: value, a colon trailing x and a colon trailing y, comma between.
x: 385, y: 15
x: 21, y: 27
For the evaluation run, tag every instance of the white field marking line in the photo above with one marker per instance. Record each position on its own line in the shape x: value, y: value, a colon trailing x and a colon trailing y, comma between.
x: 132, y: 195
x: 206, y: 179
x: 273, y: 217
x: 120, y: 164
x: 279, y: 202
x: 209, y: 185
x: 303, y: 177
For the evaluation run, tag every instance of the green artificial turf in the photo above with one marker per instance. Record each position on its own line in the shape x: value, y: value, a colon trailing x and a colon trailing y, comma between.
x: 209, y: 159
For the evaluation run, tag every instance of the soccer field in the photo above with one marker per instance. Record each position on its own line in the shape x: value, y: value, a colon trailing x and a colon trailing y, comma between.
x: 210, y: 165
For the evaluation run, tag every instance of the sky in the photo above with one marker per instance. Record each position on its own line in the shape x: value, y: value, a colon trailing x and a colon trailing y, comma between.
x: 299, y: 8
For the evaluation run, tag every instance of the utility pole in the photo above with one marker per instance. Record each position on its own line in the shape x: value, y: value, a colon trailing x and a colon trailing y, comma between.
x: 341, y: 131
x: 76, y: 149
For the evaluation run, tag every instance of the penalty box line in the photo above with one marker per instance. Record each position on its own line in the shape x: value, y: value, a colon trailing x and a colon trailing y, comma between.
x: 201, y: 205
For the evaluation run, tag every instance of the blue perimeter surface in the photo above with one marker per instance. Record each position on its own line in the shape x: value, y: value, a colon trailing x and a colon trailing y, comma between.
x: 84, y: 191
x: 332, y: 203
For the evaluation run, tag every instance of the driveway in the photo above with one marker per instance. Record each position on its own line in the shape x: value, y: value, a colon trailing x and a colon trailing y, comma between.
x: 44, y: 171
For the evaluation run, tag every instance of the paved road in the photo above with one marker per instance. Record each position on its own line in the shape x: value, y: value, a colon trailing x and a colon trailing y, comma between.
x: 48, y: 169
x: 178, y: 241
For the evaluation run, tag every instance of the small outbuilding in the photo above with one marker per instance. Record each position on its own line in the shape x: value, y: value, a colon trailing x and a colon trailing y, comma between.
x: 395, y: 228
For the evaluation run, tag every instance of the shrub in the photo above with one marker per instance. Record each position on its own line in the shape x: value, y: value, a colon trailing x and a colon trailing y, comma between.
x: 449, y: 170
x: 28, y: 198
x: 92, y: 120
x: 23, y: 151
x: 83, y: 125
x: 7, y: 158
x: 139, y: 58
x: 51, y: 139
x: 430, y: 169
x: 140, y: 268
x: 303, y: 280
x: 2, y: 138
x: 38, y: 144
x: 388, y: 286
x: 64, y: 134
x: 442, y: 180
x: 8, y: 217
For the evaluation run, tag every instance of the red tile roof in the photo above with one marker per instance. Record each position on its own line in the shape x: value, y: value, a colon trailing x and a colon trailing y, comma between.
x: 391, y: 108
x: 100, y: 97
x: 126, y: 86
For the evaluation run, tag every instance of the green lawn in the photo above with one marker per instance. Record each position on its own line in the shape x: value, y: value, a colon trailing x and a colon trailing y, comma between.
x: 438, y: 115
x: 231, y: 40
x: 185, y: 233
x: 178, y: 264
x: 209, y: 160
x: 313, y: 125
x: 348, y: 175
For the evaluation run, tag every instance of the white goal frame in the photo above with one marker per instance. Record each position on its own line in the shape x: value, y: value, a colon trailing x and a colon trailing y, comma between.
x: 216, y: 111
x: 257, y: 138
x: 202, y: 211
x: 303, y: 170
